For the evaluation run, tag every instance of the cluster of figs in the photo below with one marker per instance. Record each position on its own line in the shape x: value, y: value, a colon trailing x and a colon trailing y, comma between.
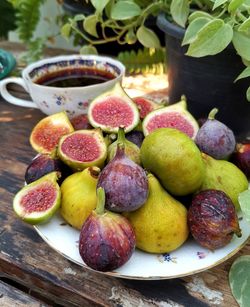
x: 135, y: 173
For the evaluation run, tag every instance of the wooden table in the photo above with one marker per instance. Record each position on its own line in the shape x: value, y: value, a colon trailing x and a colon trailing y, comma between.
x: 26, y: 259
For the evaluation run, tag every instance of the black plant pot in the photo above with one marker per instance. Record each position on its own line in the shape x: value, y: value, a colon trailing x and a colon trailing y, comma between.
x: 207, y: 82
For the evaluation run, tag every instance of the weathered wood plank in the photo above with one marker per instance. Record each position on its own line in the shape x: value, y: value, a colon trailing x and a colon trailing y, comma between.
x: 12, y: 297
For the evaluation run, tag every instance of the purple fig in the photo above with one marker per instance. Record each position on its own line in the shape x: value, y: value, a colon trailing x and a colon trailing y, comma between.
x: 241, y: 158
x: 215, y: 139
x: 125, y: 183
x: 135, y: 137
x: 107, y: 240
x: 44, y: 164
x: 212, y: 219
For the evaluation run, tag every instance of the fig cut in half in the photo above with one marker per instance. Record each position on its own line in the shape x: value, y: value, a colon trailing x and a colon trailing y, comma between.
x: 174, y: 116
x: 38, y: 201
x: 83, y: 148
x: 113, y: 109
x: 46, y: 134
x: 146, y: 105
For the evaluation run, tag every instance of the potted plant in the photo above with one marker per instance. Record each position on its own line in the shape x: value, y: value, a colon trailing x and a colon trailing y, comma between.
x: 207, y: 41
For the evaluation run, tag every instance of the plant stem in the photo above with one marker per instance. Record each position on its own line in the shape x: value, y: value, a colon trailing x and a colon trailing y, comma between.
x: 212, y: 113
x: 100, y: 201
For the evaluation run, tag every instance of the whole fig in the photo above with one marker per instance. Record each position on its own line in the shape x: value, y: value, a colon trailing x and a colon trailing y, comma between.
x: 212, y: 219
x: 125, y: 183
x: 132, y: 151
x: 44, y: 164
x: 135, y: 137
x: 107, y: 240
x: 215, y: 139
x: 241, y: 158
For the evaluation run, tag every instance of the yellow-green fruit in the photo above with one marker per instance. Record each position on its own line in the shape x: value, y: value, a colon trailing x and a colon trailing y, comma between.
x: 161, y: 223
x: 225, y: 176
x: 79, y: 196
x: 175, y: 159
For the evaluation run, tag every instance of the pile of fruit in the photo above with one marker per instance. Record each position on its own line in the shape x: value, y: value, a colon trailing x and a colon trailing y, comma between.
x: 133, y: 173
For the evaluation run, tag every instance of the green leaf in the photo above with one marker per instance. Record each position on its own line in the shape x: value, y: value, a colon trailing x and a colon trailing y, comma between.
x: 241, y: 43
x: 193, y: 28
x: 79, y: 17
x: 245, y: 26
x: 244, y: 74
x: 239, y: 279
x: 234, y: 5
x: 148, y: 38
x: 65, y: 30
x: 218, y: 3
x: 89, y: 25
x: 179, y: 10
x: 244, y: 200
x: 88, y: 49
x: 125, y: 9
x: 248, y: 94
x: 198, y: 14
x: 99, y: 5
x: 211, y: 39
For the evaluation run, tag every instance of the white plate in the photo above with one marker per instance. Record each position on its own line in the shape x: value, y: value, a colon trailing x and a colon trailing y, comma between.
x: 190, y: 258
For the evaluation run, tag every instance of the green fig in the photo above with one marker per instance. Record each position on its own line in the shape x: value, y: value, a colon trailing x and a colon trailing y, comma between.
x: 160, y: 225
x: 79, y: 196
x: 225, y: 176
x: 131, y: 150
x: 175, y: 159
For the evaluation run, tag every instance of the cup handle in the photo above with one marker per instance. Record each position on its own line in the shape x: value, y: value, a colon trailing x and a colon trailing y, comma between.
x: 12, y: 99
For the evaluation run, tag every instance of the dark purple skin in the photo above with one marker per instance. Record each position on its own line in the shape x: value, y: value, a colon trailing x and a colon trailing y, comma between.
x: 212, y: 219
x: 125, y: 183
x: 135, y: 137
x: 44, y: 164
x: 215, y: 139
x: 106, y: 242
x: 241, y: 158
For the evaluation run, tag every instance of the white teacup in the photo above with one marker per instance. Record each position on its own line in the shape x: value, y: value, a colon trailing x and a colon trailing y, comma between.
x: 73, y: 100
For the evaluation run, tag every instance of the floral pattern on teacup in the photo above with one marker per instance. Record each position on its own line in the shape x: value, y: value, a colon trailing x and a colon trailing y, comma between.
x: 60, y: 100
x: 83, y: 105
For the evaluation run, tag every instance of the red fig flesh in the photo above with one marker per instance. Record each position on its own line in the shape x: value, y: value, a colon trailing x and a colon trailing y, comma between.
x: 112, y: 110
x: 83, y: 148
x: 146, y: 106
x: 107, y: 240
x: 81, y: 122
x: 212, y: 219
x: 46, y: 134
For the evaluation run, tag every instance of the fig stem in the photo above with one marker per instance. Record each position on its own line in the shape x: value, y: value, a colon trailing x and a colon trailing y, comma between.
x: 212, y: 113
x: 120, y: 149
x: 121, y: 135
x: 100, y: 201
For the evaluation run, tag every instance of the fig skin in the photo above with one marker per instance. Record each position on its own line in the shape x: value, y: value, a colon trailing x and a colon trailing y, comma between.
x: 125, y: 183
x: 132, y: 151
x: 107, y: 240
x: 44, y: 164
x: 212, y: 219
x: 215, y: 139
x: 241, y: 158
x: 135, y: 137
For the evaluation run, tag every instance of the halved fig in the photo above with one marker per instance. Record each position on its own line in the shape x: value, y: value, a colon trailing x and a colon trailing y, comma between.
x: 46, y: 134
x: 146, y: 105
x: 39, y: 200
x: 81, y: 122
x: 83, y: 148
x: 113, y: 109
x: 174, y: 116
